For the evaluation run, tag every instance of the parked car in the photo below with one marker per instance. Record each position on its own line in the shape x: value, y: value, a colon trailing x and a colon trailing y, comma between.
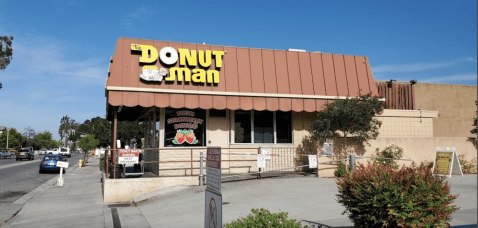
x: 64, y: 151
x: 25, y: 153
x: 6, y: 154
x: 48, y: 163
x: 43, y: 151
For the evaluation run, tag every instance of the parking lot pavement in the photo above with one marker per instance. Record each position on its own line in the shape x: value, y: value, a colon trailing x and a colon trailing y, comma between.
x: 306, y: 198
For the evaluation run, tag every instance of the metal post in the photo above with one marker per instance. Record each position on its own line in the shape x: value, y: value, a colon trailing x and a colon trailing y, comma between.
x: 260, y: 169
x: 201, y: 159
x: 352, y: 162
x: 191, y: 162
x: 106, y: 163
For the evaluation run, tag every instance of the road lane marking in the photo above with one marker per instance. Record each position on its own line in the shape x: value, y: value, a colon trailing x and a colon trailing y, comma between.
x: 18, y: 163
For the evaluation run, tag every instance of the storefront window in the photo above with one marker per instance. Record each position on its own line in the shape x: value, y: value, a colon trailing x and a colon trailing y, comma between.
x: 185, y: 128
x: 284, y: 128
x: 263, y: 127
x: 242, y: 127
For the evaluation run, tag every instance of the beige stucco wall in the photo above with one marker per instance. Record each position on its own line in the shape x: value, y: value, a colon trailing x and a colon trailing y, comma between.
x: 455, y: 103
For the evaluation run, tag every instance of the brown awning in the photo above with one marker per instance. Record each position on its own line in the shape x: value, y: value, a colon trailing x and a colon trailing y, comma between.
x: 258, y: 79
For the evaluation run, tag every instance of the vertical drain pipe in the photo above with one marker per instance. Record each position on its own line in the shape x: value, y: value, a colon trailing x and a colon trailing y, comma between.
x: 201, y: 159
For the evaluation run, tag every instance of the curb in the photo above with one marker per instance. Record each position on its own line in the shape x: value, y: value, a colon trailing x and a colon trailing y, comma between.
x: 158, y: 193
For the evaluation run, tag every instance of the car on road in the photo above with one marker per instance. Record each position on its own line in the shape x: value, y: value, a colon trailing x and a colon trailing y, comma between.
x: 48, y: 163
x: 53, y: 151
x: 25, y: 153
x: 43, y: 151
x: 6, y: 154
x: 64, y: 151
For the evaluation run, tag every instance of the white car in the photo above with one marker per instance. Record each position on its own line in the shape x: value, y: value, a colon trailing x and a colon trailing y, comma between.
x: 64, y: 151
x: 43, y: 151
x: 53, y: 151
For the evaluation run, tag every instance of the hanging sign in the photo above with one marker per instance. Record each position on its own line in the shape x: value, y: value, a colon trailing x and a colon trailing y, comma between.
x: 187, y: 58
x: 128, y: 157
x: 213, y: 169
x: 261, y: 161
x: 312, y: 161
x: 447, y: 162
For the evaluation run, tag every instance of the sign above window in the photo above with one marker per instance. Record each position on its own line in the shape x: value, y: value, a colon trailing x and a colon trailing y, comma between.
x: 187, y: 58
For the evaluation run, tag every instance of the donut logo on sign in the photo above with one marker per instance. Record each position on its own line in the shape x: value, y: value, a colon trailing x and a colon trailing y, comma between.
x: 187, y: 58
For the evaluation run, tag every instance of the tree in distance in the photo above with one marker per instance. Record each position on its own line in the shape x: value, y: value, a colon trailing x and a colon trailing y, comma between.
x: 87, y: 143
x: 350, y: 117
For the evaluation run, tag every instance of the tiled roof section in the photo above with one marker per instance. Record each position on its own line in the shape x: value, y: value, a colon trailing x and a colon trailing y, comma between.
x: 245, y: 71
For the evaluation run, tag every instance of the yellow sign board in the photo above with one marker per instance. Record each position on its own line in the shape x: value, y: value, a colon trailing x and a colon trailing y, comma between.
x: 443, y: 162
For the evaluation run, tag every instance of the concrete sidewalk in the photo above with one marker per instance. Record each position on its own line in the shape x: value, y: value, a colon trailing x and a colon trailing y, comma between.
x: 79, y: 203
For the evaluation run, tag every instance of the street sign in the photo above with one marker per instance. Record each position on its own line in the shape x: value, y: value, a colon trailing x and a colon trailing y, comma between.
x: 267, y: 153
x: 62, y: 164
x: 128, y: 157
x: 312, y: 161
x: 213, y: 169
x: 213, y: 210
x: 261, y: 161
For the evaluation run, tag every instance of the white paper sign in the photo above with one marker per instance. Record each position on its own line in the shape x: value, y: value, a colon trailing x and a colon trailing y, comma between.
x: 261, y: 161
x: 62, y: 164
x: 312, y: 161
x: 267, y: 153
x: 213, y: 210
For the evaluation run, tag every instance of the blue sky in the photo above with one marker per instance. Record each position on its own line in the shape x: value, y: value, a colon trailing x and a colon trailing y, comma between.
x: 62, y: 47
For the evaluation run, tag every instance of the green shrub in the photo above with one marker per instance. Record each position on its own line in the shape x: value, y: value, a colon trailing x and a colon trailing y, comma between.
x: 102, y: 162
x: 263, y: 218
x: 341, y: 170
x: 466, y: 166
x: 381, y: 196
x: 392, y: 152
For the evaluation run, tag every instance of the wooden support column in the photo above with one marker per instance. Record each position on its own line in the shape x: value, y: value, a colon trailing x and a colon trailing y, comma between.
x: 114, y: 127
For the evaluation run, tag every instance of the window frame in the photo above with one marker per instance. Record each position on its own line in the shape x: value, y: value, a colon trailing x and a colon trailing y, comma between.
x: 233, y: 130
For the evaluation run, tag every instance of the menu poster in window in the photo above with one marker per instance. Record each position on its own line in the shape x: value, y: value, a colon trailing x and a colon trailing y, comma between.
x: 184, y: 127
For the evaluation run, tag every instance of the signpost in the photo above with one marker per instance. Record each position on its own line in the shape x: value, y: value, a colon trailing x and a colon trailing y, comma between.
x: 213, y: 201
x: 128, y: 157
x: 447, y: 162
x: 59, y: 181
x: 213, y: 210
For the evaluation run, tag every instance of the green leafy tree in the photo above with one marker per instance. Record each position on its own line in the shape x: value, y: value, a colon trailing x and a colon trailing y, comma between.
x: 88, y: 143
x: 129, y: 130
x: 6, y: 51
x: 352, y: 117
x: 15, y: 139
x: 43, y: 140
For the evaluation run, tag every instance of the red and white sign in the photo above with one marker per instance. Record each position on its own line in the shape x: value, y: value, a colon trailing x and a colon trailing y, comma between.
x: 128, y: 157
x: 213, y: 169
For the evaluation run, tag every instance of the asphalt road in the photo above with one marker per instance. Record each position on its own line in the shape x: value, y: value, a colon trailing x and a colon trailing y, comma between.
x: 17, y: 178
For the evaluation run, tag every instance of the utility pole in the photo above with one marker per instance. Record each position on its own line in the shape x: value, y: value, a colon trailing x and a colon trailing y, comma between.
x: 8, y: 131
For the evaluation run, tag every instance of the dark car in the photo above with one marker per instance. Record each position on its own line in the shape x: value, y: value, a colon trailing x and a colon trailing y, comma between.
x: 25, y: 153
x: 49, y: 163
